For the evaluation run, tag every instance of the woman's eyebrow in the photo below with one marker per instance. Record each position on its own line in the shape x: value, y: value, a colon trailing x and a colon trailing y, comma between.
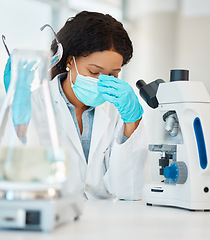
x: 119, y: 69
x: 96, y: 66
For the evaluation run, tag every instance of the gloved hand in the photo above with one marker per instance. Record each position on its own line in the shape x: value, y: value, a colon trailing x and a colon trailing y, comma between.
x: 121, y: 94
x: 21, y: 106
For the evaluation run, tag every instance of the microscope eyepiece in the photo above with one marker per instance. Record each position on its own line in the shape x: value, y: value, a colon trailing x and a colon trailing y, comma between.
x: 140, y: 84
x: 179, y: 75
x: 148, y: 91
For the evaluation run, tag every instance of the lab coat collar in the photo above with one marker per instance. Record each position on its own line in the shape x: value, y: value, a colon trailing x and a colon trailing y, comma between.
x: 64, y: 117
x: 100, y: 125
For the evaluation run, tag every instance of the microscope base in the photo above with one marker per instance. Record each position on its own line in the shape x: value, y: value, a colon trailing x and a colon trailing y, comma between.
x: 167, y: 195
x: 39, y: 214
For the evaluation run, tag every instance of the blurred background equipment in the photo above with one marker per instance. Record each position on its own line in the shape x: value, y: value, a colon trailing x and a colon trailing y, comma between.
x: 33, y: 163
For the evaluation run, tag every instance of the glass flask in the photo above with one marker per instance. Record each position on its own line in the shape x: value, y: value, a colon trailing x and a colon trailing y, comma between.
x: 30, y: 151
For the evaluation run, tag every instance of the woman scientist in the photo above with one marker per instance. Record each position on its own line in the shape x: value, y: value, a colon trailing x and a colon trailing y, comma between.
x: 99, y: 116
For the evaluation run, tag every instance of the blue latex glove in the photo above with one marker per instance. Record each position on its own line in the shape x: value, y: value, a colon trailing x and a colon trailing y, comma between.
x: 21, y: 106
x: 7, y: 74
x: 121, y: 94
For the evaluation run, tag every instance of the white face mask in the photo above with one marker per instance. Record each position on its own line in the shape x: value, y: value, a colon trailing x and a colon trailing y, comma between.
x: 86, y: 89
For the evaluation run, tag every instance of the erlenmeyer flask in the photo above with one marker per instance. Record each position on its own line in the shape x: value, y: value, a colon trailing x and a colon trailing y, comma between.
x: 33, y: 163
x: 30, y: 151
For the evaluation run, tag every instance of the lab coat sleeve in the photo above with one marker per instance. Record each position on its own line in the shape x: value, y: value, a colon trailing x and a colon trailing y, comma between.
x: 128, y: 167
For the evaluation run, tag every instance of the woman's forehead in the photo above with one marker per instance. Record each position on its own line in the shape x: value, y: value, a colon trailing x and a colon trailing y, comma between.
x: 103, y: 59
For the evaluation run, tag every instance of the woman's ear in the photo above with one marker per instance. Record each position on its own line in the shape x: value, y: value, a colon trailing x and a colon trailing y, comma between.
x: 69, y: 62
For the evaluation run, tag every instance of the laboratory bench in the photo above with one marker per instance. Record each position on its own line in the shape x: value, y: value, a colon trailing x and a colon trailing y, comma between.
x: 125, y: 220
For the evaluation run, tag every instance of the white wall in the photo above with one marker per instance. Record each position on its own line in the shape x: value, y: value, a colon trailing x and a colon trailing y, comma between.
x: 169, y: 34
x: 193, y: 46
x: 20, y: 22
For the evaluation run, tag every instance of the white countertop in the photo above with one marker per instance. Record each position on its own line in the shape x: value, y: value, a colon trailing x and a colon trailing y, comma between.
x: 106, y: 219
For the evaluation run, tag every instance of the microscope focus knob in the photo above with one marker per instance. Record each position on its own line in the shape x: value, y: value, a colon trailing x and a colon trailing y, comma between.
x: 176, y: 172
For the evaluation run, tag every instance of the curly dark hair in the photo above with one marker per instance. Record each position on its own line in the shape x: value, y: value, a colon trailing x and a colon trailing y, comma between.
x: 89, y: 32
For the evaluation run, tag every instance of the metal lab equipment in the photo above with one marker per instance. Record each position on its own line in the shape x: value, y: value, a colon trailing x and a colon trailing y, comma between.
x: 184, y: 142
x: 33, y: 163
x: 55, y: 58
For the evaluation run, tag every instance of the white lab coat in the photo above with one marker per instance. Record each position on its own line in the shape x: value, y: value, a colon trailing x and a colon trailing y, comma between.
x: 113, y: 169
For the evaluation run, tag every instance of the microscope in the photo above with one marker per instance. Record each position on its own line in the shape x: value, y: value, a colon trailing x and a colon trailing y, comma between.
x: 184, y: 142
